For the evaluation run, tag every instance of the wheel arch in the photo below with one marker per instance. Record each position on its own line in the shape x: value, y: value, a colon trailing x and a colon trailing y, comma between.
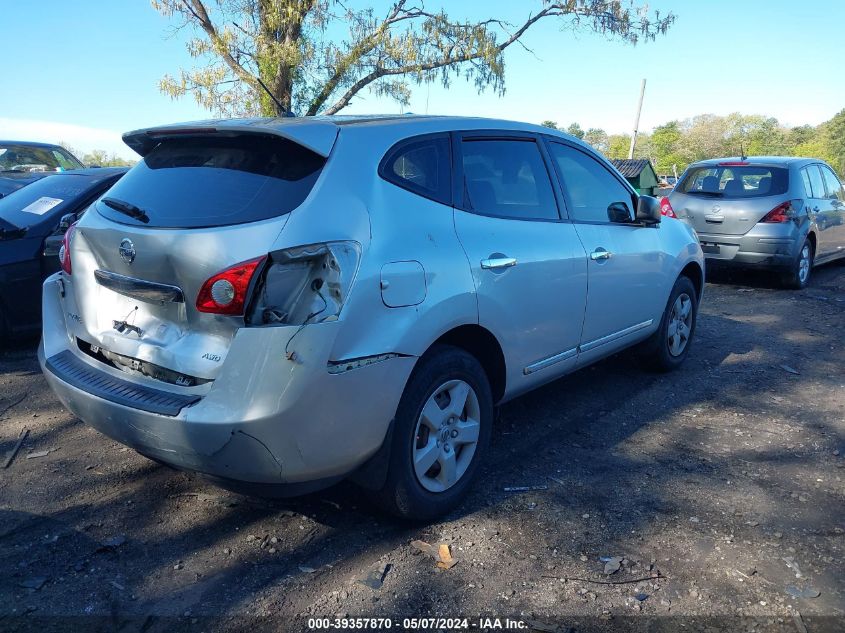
x: 695, y: 273
x: 484, y: 346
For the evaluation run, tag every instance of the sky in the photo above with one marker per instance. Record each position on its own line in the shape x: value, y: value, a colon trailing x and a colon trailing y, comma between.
x: 84, y: 72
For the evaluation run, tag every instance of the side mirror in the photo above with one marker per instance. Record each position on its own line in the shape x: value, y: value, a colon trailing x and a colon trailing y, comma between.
x: 648, y: 210
x: 619, y: 212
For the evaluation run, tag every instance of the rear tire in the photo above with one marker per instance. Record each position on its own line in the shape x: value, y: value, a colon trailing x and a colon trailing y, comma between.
x: 799, y: 275
x: 441, y: 432
x: 669, y: 346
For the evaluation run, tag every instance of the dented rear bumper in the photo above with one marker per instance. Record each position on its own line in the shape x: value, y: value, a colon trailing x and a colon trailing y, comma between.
x: 265, y: 419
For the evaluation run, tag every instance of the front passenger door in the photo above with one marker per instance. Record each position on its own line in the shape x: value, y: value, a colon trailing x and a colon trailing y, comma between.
x: 628, y: 274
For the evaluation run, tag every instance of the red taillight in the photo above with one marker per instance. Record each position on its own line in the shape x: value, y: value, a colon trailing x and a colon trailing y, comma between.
x: 64, y: 251
x: 226, y: 292
x: 784, y: 212
x: 733, y: 163
x: 666, y: 208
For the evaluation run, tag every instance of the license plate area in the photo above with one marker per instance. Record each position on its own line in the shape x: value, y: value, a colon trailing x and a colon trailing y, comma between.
x: 712, y: 249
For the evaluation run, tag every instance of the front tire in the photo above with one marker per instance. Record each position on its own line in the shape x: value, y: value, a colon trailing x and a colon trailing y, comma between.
x: 799, y: 275
x: 669, y: 346
x: 441, y: 431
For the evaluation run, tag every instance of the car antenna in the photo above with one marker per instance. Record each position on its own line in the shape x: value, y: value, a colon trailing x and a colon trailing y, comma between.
x: 273, y: 97
x: 742, y: 155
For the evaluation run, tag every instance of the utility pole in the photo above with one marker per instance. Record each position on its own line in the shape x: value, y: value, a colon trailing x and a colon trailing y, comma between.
x: 637, y: 121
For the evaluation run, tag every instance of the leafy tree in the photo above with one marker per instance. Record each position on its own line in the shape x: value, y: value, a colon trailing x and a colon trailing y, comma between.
x: 597, y: 138
x: 618, y: 146
x: 834, y: 142
x: 296, y: 49
x: 575, y: 130
x: 549, y: 124
x: 101, y: 158
x: 666, y: 141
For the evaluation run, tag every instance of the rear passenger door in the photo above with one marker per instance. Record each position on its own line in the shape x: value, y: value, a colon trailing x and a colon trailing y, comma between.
x: 628, y: 274
x: 528, y: 264
x: 821, y: 210
x: 835, y: 202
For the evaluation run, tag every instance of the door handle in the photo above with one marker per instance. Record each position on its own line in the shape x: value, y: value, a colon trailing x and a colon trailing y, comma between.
x: 600, y: 254
x: 498, y: 262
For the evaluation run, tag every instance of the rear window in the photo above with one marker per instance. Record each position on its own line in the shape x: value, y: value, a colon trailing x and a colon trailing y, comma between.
x: 216, y: 181
x: 735, y: 181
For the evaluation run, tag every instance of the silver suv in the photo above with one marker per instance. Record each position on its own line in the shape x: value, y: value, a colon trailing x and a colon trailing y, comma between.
x: 779, y: 213
x: 280, y: 304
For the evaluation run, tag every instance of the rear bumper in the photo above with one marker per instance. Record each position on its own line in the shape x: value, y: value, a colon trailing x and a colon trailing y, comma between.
x: 764, y: 246
x: 264, y: 420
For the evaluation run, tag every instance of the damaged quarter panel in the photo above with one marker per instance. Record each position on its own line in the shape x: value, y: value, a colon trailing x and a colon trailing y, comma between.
x: 407, y: 227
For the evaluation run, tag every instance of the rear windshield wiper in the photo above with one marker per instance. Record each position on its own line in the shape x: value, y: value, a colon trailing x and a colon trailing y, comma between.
x: 127, y: 208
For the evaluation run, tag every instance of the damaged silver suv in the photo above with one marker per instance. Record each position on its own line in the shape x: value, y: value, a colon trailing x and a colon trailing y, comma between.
x: 282, y: 303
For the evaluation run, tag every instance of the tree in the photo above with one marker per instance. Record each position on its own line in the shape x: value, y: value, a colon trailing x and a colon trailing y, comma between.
x: 102, y: 158
x: 575, y: 130
x: 598, y: 139
x: 549, y: 124
x: 294, y: 48
x: 833, y: 135
x: 618, y: 146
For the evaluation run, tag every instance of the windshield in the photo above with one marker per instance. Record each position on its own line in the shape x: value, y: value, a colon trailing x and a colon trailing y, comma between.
x: 44, y: 199
x: 735, y: 181
x: 216, y: 181
x: 23, y: 158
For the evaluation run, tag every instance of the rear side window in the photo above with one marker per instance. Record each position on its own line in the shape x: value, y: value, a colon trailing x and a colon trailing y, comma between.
x: 589, y: 187
x: 735, y: 181
x: 832, y: 184
x: 215, y: 181
x: 422, y: 165
x: 816, y: 182
x: 508, y: 179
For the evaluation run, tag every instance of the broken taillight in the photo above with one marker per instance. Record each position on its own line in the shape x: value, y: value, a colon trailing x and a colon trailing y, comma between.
x: 64, y: 250
x: 226, y: 292
x: 305, y: 284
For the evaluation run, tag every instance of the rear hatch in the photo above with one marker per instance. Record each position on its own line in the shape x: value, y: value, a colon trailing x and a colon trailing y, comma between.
x: 197, y: 204
x: 728, y: 198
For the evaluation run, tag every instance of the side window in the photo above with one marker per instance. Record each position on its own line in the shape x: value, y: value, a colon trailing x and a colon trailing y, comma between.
x: 816, y: 182
x: 805, y: 177
x: 507, y: 178
x: 589, y: 187
x: 834, y: 187
x: 422, y: 166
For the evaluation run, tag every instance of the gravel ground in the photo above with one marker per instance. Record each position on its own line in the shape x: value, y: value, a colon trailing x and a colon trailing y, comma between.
x: 716, y: 493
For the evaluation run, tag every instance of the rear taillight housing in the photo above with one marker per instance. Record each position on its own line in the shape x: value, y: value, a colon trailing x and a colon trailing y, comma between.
x: 64, y: 250
x: 666, y: 208
x: 227, y: 291
x: 305, y: 284
x: 784, y: 212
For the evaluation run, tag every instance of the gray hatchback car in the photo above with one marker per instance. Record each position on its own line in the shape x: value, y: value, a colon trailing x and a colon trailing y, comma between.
x: 283, y: 303
x: 784, y: 214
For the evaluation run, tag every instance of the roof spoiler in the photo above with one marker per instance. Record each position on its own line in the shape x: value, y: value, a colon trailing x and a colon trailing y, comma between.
x: 317, y: 135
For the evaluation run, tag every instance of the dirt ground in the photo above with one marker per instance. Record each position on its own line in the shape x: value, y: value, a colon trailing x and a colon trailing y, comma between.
x: 720, y: 486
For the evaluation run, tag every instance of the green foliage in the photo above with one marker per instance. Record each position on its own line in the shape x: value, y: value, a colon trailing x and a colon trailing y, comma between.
x: 549, y: 124
x: 575, y: 130
x: 679, y: 143
x: 296, y: 48
x: 101, y: 158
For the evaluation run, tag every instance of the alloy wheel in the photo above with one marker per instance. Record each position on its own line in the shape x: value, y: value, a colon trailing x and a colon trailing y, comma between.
x: 680, y: 324
x: 804, y: 264
x: 446, y: 435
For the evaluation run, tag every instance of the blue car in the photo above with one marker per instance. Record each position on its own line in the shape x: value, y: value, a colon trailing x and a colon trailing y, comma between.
x: 33, y: 220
